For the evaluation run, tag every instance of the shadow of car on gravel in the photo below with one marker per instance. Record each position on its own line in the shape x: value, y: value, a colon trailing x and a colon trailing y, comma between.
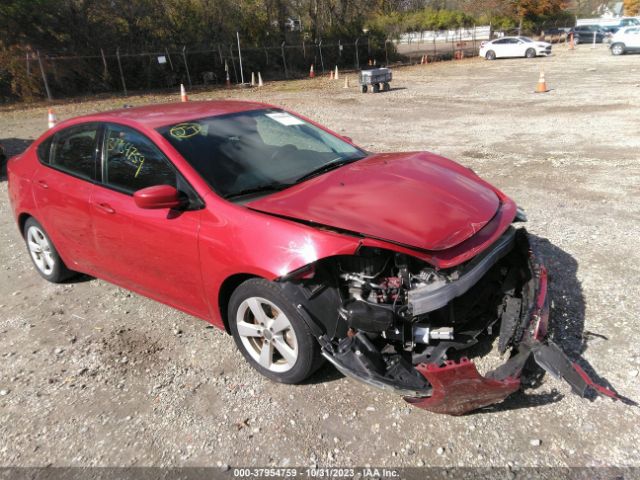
x: 9, y: 148
x: 566, y: 329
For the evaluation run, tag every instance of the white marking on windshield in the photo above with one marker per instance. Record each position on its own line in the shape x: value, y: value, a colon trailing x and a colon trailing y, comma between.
x: 285, y: 119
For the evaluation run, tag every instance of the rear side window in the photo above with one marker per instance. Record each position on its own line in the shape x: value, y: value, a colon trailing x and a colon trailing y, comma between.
x: 44, y: 150
x: 132, y: 162
x: 73, y: 151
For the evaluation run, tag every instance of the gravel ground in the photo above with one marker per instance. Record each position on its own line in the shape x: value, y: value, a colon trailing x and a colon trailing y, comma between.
x: 94, y: 375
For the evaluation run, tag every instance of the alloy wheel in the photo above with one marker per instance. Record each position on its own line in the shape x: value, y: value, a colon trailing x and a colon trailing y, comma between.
x: 267, y: 334
x: 40, y: 250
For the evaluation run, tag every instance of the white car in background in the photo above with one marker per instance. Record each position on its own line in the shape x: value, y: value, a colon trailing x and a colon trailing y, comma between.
x: 625, y: 40
x: 513, y: 47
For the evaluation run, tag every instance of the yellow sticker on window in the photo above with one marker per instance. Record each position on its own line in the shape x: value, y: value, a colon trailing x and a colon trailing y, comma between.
x: 185, y: 130
x: 128, y: 151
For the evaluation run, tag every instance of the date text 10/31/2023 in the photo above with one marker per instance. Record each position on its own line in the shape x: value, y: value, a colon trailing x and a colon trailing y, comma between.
x: 328, y: 472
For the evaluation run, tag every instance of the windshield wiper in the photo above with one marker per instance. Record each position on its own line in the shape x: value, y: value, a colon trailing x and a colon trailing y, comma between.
x: 326, y: 168
x: 270, y: 187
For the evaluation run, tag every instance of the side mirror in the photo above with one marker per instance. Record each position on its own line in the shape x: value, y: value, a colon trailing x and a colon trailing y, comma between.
x: 158, y: 196
x: 348, y: 139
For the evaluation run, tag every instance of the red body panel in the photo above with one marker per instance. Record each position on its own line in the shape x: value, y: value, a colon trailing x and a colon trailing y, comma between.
x: 406, y: 198
x: 183, y: 260
x: 458, y: 388
x: 154, y: 252
x: 62, y: 203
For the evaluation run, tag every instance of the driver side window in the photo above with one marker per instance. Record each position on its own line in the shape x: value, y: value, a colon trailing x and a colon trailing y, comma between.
x: 132, y: 162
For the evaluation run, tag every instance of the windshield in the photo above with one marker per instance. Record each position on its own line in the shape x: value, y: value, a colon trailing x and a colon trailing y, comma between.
x: 257, y: 151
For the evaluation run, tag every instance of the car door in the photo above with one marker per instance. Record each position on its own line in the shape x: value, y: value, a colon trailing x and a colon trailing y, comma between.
x: 632, y: 38
x: 499, y: 47
x: 511, y: 47
x: 62, y: 189
x: 152, y: 251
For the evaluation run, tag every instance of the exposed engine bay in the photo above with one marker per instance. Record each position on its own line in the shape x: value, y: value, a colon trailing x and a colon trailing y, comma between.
x: 396, y: 322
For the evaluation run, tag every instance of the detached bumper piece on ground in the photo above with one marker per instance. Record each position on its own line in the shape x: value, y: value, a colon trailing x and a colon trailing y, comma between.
x: 409, y: 328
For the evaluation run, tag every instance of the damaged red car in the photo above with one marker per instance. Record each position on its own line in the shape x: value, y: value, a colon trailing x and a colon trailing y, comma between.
x: 296, y: 241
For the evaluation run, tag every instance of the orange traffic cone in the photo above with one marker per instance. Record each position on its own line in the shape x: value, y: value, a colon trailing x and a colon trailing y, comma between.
x: 346, y: 82
x: 312, y: 74
x: 260, y: 84
x: 228, y: 80
x: 542, y: 84
x: 183, y: 94
x: 253, y: 79
x: 52, y: 118
x: 335, y: 76
x: 331, y: 75
x: 572, y: 44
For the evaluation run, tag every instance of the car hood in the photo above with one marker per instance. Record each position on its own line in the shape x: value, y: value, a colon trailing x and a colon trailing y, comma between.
x: 414, y: 199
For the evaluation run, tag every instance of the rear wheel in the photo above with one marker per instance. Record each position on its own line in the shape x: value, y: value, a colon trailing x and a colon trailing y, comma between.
x: 386, y: 87
x: 364, y: 89
x: 44, y: 255
x: 530, y: 53
x: 376, y: 87
x: 271, y: 334
x: 490, y: 55
x: 617, y: 48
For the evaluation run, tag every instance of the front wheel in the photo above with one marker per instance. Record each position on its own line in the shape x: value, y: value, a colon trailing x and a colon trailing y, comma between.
x: 490, y: 55
x: 44, y: 255
x: 271, y: 334
x: 376, y: 87
x: 530, y: 53
x: 617, y: 49
x: 363, y: 88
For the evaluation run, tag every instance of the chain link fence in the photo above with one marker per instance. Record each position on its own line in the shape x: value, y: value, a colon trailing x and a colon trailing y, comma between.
x: 117, y: 70
x: 112, y: 70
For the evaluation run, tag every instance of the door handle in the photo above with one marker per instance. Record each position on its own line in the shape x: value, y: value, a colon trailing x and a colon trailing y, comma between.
x: 43, y: 184
x: 105, y: 207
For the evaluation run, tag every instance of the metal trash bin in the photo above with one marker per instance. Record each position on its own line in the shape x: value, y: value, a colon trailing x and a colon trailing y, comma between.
x: 377, y: 78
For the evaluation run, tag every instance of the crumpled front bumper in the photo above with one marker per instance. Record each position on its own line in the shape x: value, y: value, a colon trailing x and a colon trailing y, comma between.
x: 458, y: 387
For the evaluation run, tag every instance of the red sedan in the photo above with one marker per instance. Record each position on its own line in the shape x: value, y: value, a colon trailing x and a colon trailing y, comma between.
x: 300, y: 244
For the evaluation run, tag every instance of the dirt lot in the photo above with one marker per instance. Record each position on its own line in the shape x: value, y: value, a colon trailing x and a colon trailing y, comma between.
x: 94, y: 375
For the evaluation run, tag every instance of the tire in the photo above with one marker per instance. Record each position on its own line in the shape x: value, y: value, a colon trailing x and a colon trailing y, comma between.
x: 364, y: 89
x: 376, y: 87
x: 617, y: 48
x: 386, y: 87
x: 275, y: 341
x: 490, y: 55
x: 576, y: 40
x: 530, y: 53
x: 43, y: 253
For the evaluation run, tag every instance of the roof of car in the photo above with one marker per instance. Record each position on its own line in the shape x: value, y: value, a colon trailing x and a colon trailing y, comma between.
x: 158, y: 115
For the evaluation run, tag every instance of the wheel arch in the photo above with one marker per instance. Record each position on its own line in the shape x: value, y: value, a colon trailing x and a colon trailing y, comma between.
x: 227, y: 288
x: 621, y: 44
x: 22, y: 220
